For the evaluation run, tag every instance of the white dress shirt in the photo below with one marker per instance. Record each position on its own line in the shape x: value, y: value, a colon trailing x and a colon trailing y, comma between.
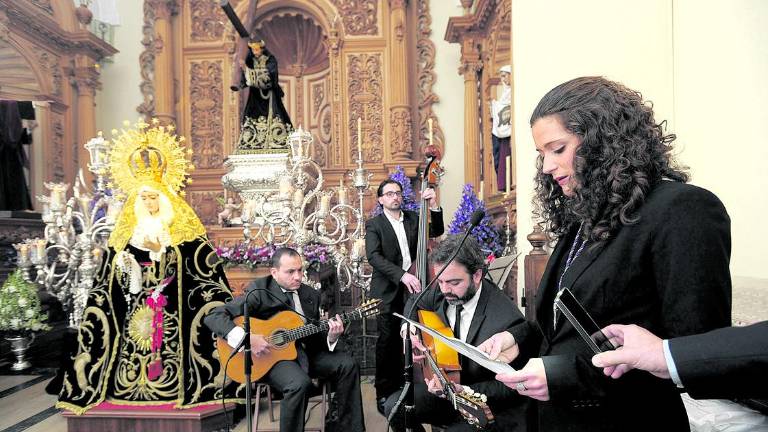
x: 402, y: 239
x: 466, y: 315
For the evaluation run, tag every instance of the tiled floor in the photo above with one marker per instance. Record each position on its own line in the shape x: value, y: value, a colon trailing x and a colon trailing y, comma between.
x: 25, y: 406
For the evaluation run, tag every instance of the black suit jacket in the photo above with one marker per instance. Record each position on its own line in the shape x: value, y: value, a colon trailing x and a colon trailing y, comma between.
x: 267, y: 300
x: 495, y: 312
x: 669, y: 273
x: 383, y: 252
x: 726, y: 363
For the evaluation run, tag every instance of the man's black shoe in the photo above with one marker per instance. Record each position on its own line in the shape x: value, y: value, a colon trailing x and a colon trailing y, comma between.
x: 380, y: 405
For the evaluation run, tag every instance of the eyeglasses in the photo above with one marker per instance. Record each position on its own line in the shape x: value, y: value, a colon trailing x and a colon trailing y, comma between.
x: 392, y: 194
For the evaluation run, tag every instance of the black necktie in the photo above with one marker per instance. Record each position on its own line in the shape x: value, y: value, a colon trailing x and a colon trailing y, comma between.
x: 301, y: 355
x: 457, y: 330
x: 457, y: 322
x: 289, y: 297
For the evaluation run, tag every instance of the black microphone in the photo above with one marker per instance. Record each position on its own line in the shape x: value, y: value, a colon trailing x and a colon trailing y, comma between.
x: 474, y: 221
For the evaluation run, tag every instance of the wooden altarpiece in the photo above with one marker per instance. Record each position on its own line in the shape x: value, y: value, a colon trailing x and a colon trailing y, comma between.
x: 338, y: 60
x: 484, y: 33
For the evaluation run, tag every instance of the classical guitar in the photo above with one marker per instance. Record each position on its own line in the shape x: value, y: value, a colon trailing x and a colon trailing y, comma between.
x: 282, y: 331
x: 442, y: 362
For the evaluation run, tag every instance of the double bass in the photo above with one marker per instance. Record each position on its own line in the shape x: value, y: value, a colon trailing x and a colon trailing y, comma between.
x: 429, y: 179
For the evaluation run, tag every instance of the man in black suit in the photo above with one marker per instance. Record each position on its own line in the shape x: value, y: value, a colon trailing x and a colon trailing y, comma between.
x: 391, y: 240
x: 724, y: 363
x: 282, y: 291
x: 475, y: 309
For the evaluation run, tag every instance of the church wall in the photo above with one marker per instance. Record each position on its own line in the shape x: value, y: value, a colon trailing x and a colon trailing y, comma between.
x: 449, y: 87
x: 557, y: 40
x: 703, y: 64
x: 720, y: 70
x: 120, y: 79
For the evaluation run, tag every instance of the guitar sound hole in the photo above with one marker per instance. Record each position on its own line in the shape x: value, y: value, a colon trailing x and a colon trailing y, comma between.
x: 278, y: 339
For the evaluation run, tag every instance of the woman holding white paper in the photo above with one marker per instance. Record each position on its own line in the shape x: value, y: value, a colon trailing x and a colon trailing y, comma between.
x: 634, y: 244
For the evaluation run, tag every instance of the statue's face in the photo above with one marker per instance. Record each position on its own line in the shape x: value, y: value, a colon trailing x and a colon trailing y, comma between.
x: 151, y: 201
x: 256, y: 48
x: 505, y: 78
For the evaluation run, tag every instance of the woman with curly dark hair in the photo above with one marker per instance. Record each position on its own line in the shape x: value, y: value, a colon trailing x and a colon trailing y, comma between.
x: 635, y: 244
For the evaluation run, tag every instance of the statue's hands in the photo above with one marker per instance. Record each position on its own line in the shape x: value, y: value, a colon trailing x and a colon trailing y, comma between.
x: 152, y: 245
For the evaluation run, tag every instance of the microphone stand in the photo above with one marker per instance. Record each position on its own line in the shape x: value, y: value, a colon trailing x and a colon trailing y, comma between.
x: 246, y: 344
x: 408, y: 390
x: 247, y: 363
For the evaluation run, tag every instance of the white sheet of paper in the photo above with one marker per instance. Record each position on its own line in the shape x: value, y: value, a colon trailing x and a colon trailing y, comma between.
x: 468, y: 350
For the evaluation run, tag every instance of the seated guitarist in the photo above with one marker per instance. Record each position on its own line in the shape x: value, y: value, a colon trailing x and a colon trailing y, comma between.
x: 482, y: 310
x: 316, y: 355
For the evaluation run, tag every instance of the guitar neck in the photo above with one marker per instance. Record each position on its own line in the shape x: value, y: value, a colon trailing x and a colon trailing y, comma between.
x: 310, y: 329
x: 439, y: 374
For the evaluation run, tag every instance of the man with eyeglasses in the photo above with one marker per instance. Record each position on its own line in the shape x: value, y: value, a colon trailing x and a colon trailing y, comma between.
x: 391, y: 240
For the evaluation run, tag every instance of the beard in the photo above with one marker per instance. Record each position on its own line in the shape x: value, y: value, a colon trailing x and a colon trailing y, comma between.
x: 455, y: 300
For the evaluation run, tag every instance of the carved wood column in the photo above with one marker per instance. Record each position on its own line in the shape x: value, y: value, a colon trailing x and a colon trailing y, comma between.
x: 165, y: 100
x: 335, y: 43
x: 470, y: 66
x: 400, y: 109
x: 86, y: 78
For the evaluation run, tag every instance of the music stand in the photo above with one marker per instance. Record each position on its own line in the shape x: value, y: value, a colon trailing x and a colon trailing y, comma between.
x: 500, y: 268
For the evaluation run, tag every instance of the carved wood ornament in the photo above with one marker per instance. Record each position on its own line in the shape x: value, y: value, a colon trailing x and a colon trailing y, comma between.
x: 484, y: 36
x: 46, y: 57
x: 334, y: 57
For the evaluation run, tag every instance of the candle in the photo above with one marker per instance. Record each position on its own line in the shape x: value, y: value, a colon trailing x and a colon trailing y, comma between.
x: 342, y: 195
x: 113, y: 209
x: 23, y: 253
x: 506, y: 174
x: 285, y: 187
x: 298, y: 198
x: 429, y: 122
x: 85, y: 202
x: 359, y: 138
x: 482, y: 189
x: 41, y: 249
x: 325, y: 204
x: 358, y: 249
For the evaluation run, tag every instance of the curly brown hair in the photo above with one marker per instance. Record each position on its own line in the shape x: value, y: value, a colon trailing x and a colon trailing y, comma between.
x: 623, y: 154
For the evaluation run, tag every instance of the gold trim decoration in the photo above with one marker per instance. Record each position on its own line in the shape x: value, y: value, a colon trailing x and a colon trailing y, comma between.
x: 155, y: 157
x: 140, y: 328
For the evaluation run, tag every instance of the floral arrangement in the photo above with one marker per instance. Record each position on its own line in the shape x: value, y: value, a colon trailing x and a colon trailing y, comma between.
x: 409, y: 197
x: 485, y: 233
x: 243, y: 254
x: 20, y: 306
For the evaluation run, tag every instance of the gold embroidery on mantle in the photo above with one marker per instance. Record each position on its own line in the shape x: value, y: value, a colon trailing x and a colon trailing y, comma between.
x: 262, y: 136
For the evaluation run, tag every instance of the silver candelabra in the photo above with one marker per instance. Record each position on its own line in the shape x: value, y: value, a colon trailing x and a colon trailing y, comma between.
x: 76, y: 235
x: 300, y: 212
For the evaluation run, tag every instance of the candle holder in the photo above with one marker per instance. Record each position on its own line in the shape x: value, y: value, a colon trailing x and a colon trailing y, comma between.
x: 76, y: 235
x: 301, y: 211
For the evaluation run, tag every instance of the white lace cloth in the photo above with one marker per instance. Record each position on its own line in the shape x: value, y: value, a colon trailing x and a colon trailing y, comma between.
x: 719, y: 415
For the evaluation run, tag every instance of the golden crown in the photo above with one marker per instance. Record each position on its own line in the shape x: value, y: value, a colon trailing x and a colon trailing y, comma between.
x: 149, y: 156
x: 148, y: 164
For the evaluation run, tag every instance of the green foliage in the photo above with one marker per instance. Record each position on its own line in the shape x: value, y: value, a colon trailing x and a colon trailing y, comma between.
x: 20, y: 306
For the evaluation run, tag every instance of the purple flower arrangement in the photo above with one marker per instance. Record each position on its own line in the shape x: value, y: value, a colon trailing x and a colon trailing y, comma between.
x: 243, y: 254
x: 485, y: 233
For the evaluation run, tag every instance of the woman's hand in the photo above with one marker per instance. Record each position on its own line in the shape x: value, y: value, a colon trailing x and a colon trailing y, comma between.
x: 501, y: 347
x: 529, y: 381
